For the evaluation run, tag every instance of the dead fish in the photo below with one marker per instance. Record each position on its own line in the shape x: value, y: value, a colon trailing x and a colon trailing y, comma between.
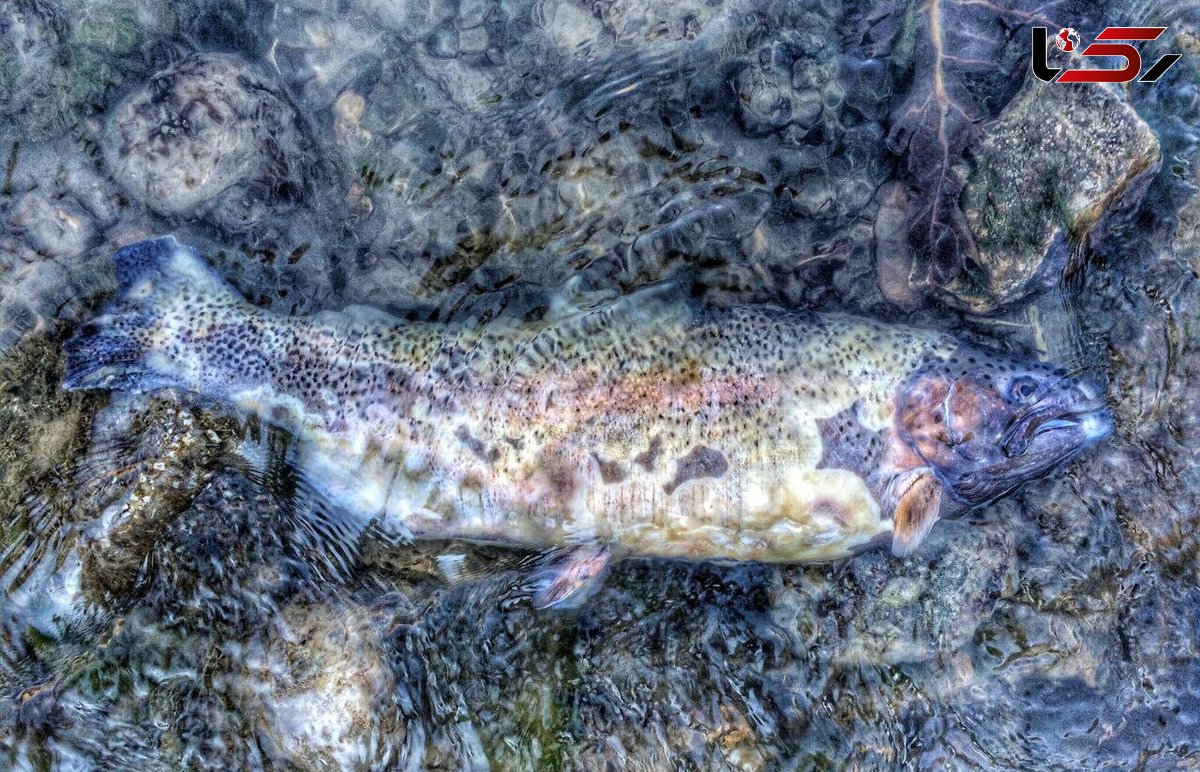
x: 645, y: 426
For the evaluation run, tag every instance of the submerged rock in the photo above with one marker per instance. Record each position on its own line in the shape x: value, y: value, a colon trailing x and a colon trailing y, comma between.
x: 55, y: 226
x: 210, y: 136
x: 40, y: 425
x: 913, y: 611
x: 30, y: 33
x: 1185, y: 242
x: 175, y: 454
x: 1048, y: 173
x: 333, y: 700
x: 893, y: 254
x: 58, y: 60
x: 55, y: 208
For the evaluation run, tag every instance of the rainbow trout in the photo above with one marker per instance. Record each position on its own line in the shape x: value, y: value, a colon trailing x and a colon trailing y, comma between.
x: 643, y: 427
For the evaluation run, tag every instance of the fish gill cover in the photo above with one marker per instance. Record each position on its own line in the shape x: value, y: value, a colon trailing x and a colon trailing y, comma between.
x: 178, y: 591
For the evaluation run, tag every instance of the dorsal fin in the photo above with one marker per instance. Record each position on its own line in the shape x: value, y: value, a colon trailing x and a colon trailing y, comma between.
x: 652, y: 312
x: 357, y: 315
x: 571, y: 299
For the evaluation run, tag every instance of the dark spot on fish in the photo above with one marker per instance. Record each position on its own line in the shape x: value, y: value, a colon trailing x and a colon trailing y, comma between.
x: 700, y: 462
x: 481, y: 451
x: 646, y: 460
x: 472, y: 482
x: 610, y: 471
x: 516, y: 443
x: 560, y: 477
x: 847, y: 444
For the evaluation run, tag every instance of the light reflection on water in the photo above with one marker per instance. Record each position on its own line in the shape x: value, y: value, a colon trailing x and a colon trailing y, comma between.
x: 462, y: 161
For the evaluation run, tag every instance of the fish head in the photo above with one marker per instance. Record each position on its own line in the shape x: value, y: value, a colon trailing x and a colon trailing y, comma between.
x: 986, y: 422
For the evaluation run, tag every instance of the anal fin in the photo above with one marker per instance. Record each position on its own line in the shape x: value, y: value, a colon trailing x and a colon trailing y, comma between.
x: 568, y: 576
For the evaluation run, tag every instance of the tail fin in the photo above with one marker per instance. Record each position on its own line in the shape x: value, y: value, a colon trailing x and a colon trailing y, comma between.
x: 133, y: 345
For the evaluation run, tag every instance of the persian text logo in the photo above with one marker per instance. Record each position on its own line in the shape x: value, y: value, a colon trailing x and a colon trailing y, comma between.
x: 1067, y: 40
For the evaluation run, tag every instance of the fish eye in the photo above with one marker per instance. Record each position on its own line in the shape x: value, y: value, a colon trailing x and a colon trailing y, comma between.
x: 1023, y: 389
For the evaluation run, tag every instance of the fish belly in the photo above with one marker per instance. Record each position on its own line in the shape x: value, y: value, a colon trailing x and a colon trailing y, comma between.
x: 775, y: 512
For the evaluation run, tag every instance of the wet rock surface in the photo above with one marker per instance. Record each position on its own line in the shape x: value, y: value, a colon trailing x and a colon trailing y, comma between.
x: 1047, y: 173
x: 210, y: 135
x: 170, y: 604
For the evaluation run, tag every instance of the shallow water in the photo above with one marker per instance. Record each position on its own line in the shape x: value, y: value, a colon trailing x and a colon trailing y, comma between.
x: 463, y: 160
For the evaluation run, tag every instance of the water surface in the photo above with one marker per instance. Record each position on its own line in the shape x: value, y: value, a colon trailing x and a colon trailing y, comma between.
x: 465, y: 160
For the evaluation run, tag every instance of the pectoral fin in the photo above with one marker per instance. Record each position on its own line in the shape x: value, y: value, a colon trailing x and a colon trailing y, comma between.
x: 916, y: 498
x: 568, y: 576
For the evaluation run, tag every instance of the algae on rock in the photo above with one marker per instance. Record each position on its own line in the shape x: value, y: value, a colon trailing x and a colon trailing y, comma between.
x: 1058, y: 162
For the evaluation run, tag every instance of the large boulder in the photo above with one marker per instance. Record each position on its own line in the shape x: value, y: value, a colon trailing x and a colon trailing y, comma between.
x: 210, y: 136
x: 1048, y: 173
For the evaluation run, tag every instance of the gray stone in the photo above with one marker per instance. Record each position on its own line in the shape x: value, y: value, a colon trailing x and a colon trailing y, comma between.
x: 1185, y: 242
x: 209, y: 136
x: 1058, y: 161
x: 29, y: 36
x: 55, y: 226
x: 915, y: 610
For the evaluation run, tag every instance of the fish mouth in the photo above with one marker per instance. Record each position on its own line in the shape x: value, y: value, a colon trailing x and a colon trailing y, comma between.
x: 1050, y: 425
x: 1037, y: 442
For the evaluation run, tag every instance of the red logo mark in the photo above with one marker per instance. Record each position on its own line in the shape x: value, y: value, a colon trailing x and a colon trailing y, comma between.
x: 1067, y: 40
